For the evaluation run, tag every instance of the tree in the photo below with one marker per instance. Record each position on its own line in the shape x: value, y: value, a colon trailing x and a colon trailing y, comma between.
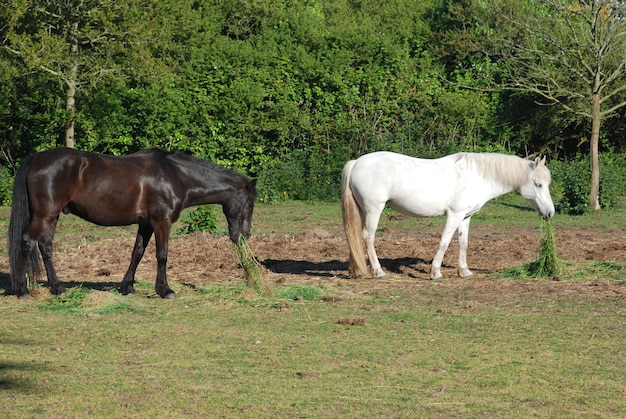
x: 77, y: 42
x: 568, y: 52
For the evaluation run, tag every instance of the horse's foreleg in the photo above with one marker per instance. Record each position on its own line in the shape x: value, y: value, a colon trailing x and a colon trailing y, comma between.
x: 143, y: 237
x: 463, y: 238
x: 162, y: 233
x: 45, y: 247
x: 452, y: 223
x: 369, y: 233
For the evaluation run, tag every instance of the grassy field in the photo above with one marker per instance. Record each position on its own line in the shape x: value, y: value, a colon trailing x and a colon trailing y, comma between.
x: 340, y: 348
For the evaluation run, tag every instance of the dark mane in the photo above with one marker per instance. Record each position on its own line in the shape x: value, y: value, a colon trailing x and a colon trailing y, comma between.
x: 206, y: 166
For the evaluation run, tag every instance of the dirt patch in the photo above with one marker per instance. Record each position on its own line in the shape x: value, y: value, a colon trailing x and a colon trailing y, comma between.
x: 319, y: 256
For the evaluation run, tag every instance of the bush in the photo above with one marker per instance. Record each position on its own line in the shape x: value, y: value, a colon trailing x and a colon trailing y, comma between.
x: 573, y: 179
x: 6, y: 186
x: 202, y: 218
x: 612, y: 179
x: 302, y: 175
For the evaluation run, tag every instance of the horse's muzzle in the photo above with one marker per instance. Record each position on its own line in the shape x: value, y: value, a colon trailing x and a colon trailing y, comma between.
x: 234, y: 237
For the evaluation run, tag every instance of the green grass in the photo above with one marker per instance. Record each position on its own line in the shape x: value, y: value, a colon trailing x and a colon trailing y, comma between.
x: 421, y: 349
x: 432, y: 352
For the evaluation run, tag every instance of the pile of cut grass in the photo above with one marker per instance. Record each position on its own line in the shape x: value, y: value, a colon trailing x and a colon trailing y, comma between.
x: 250, y: 264
x: 79, y: 300
x: 547, y: 264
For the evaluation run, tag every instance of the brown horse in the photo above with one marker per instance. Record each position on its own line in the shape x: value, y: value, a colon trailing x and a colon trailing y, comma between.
x: 149, y: 188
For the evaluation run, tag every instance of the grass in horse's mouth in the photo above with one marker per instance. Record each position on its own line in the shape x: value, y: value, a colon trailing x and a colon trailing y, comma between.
x: 547, y: 264
x: 250, y: 264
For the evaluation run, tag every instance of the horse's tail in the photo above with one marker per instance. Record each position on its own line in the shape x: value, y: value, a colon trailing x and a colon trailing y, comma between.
x: 352, y: 224
x: 20, y: 219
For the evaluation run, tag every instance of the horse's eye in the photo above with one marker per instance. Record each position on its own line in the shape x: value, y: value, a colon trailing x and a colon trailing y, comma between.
x: 538, y: 185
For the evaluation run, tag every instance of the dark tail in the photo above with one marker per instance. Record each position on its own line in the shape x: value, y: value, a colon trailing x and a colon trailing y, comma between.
x: 20, y: 218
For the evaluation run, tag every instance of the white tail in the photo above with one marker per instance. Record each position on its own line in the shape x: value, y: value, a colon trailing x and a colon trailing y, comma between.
x: 353, y: 225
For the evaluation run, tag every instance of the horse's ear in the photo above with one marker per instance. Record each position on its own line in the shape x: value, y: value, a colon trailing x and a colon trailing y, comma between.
x: 252, y: 185
x: 542, y: 162
x: 539, y: 162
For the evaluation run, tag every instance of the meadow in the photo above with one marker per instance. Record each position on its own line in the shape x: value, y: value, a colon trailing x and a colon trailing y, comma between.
x: 318, y: 343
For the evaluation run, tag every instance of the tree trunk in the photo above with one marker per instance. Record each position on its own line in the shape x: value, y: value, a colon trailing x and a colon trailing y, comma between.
x: 71, y: 111
x: 596, y: 120
x: 70, y: 105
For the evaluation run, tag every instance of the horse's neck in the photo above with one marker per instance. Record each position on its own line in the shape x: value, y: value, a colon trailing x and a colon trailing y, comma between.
x: 503, y: 174
x: 500, y: 189
x: 207, y: 184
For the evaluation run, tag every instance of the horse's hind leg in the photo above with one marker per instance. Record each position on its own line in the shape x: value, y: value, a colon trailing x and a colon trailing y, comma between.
x: 162, y: 233
x: 463, y: 238
x: 28, y: 258
x: 143, y: 237
x: 369, y: 233
x: 45, y: 247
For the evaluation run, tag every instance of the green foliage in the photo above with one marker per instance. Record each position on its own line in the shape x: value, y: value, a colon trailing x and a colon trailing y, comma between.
x: 283, y: 91
x: 612, y: 178
x: 572, y: 178
x: 6, y: 185
x: 302, y: 175
x: 200, y: 219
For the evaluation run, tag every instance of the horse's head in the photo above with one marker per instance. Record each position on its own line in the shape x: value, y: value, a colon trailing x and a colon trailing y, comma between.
x: 537, y: 189
x: 238, y: 211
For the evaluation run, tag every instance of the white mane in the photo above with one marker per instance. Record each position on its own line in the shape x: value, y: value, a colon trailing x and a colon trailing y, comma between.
x: 502, y: 168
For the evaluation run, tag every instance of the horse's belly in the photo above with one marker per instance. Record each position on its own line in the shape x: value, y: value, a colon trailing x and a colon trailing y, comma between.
x: 101, y: 215
x: 418, y: 208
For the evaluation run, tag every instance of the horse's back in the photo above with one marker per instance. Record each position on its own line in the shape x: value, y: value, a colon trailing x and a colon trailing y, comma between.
x: 420, y: 187
x: 66, y: 165
x: 100, y: 188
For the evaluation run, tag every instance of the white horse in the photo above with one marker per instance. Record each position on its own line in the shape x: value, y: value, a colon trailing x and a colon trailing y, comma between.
x: 457, y: 185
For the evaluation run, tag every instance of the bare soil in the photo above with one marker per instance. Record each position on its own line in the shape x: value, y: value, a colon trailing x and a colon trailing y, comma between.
x: 319, y: 257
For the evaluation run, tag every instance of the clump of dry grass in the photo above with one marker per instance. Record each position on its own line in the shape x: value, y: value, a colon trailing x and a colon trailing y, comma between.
x: 250, y: 264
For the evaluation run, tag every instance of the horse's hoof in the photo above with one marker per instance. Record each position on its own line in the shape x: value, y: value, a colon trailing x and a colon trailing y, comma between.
x: 57, y: 291
x: 26, y: 296
x: 169, y: 296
